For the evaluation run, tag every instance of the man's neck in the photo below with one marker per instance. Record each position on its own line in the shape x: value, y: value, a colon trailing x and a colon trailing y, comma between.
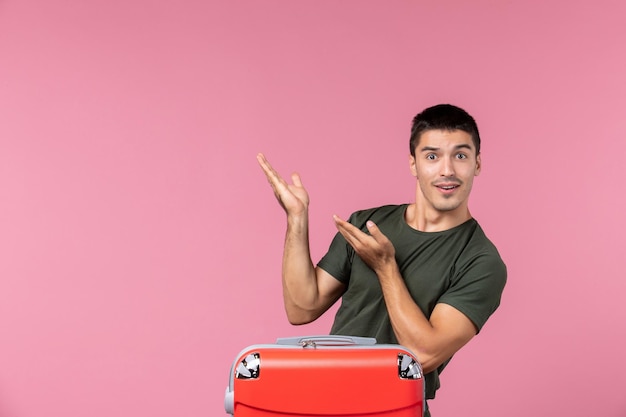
x: 430, y: 220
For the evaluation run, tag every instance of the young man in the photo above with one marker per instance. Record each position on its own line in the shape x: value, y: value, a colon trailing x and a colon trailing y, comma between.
x: 423, y: 275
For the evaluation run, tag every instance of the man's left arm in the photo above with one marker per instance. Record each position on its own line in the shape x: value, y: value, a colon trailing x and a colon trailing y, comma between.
x: 433, y: 341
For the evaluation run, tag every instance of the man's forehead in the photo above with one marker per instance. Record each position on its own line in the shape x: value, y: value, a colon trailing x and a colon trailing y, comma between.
x: 445, y: 138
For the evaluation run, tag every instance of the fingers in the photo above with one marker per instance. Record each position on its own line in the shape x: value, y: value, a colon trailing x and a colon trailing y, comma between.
x: 343, y: 228
x: 278, y: 184
x: 374, y: 248
x: 351, y: 233
x: 273, y: 176
x: 348, y: 229
x: 292, y: 197
x: 270, y: 173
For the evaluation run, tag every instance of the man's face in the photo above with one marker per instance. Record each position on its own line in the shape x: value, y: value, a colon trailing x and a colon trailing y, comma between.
x: 445, y: 165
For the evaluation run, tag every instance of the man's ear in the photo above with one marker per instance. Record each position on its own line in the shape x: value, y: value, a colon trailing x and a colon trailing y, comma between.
x: 478, y: 166
x: 412, y: 165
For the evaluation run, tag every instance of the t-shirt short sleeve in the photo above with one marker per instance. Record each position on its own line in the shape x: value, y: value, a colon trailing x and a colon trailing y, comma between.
x: 338, y: 260
x: 476, y: 288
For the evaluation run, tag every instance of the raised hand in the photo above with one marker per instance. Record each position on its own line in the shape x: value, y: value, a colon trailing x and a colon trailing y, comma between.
x: 375, y: 249
x: 293, y: 198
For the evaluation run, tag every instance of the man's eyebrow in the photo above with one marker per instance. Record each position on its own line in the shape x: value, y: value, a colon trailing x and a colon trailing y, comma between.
x: 434, y: 148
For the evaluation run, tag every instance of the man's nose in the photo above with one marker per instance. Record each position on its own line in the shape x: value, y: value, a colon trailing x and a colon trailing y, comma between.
x: 447, y: 167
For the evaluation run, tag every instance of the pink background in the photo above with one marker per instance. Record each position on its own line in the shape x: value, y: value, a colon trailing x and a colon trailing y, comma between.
x: 140, y: 244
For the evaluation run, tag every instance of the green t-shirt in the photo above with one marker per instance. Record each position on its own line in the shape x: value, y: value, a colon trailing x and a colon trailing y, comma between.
x: 459, y: 267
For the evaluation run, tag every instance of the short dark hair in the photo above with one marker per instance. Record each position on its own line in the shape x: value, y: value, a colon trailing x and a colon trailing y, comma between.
x: 443, y: 117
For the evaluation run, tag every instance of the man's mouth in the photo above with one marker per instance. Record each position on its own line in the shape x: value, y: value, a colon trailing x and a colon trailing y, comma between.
x: 447, y: 187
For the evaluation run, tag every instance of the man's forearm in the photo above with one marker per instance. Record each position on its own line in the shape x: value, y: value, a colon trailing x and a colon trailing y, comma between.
x: 434, y: 339
x: 300, y: 290
x: 410, y: 325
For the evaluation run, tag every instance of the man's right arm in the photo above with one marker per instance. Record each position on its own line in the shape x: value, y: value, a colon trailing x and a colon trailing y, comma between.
x: 307, y: 291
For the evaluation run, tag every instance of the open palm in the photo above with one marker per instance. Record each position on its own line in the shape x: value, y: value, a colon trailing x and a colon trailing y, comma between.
x: 292, y: 197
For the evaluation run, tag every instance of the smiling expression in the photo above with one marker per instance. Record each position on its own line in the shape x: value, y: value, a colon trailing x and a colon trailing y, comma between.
x: 445, y: 164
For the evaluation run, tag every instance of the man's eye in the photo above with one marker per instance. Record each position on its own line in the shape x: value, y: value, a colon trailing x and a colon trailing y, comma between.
x: 461, y: 156
x: 431, y: 156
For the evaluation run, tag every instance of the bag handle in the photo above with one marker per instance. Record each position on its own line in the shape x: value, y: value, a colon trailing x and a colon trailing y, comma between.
x: 326, y: 340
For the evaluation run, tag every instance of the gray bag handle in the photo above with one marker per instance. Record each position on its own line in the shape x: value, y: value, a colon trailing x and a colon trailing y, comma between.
x: 326, y: 340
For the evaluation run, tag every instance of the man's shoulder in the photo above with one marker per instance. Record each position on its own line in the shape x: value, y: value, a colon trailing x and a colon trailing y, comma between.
x: 479, y: 252
x: 480, y: 240
x: 377, y: 213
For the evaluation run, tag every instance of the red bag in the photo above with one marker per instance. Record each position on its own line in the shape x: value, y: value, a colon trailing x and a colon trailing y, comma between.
x: 325, y: 376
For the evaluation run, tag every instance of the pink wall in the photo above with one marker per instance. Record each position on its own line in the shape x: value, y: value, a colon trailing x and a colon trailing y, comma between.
x: 140, y: 245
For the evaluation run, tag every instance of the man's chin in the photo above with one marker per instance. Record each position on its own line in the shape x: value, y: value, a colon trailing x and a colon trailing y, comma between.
x: 447, y: 206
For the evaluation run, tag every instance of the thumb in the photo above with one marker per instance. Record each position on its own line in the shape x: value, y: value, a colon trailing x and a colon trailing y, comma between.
x: 295, y: 178
x: 372, y: 228
x: 380, y: 238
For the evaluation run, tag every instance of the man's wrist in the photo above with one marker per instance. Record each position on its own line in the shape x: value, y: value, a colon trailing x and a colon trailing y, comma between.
x: 388, y: 270
x: 297, y: 222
